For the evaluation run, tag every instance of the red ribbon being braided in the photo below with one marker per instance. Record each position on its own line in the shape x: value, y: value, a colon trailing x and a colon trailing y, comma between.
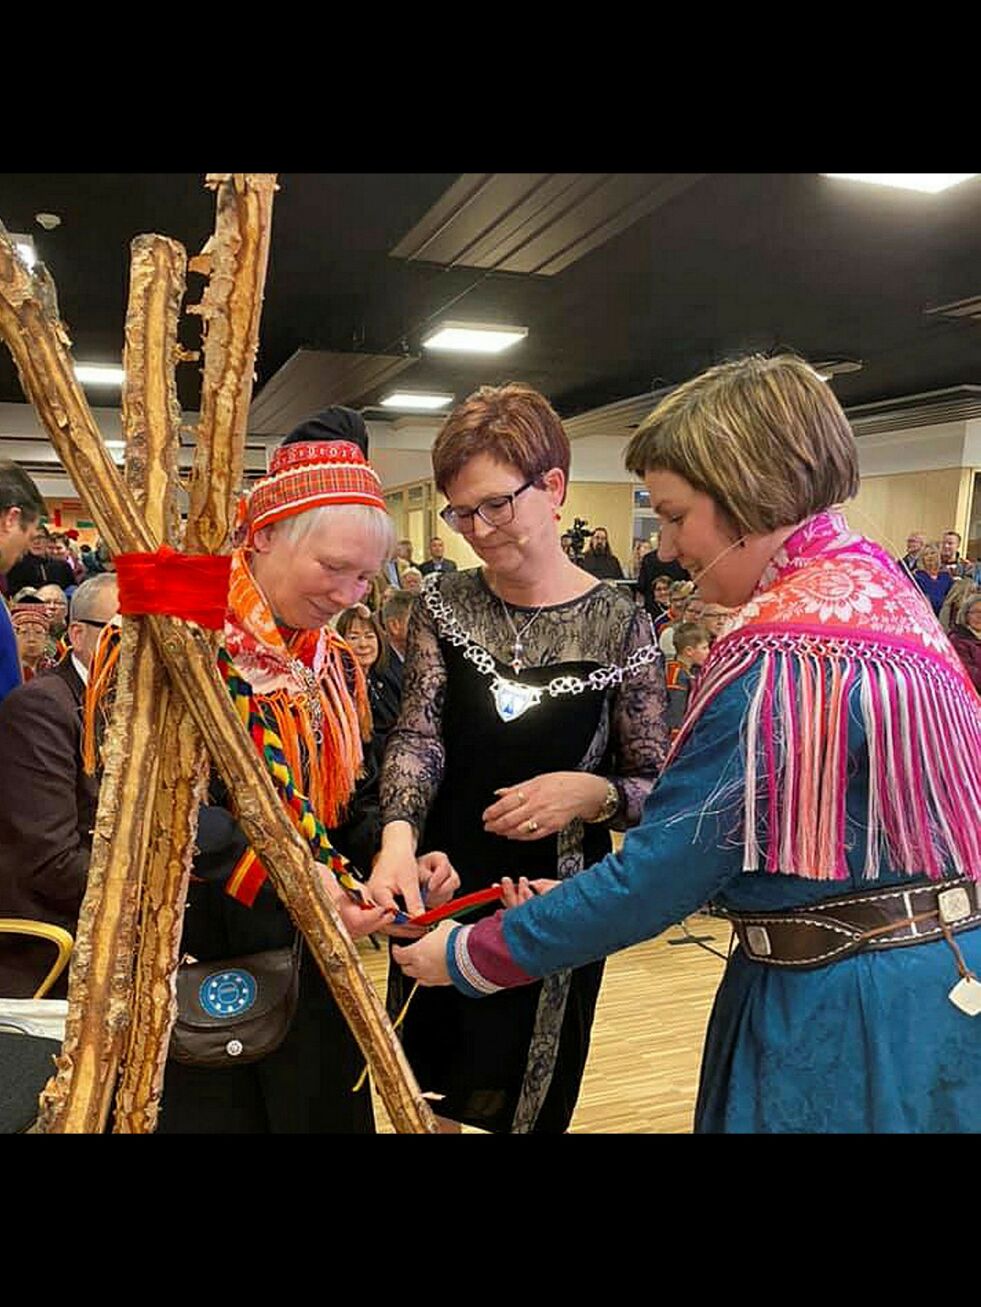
x: 190, y: 586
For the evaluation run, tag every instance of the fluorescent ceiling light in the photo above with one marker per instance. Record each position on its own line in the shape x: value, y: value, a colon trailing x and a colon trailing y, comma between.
x: 474, y: 337
x: 100, y: 374
x: 931, y: 182
x: 415, y: 401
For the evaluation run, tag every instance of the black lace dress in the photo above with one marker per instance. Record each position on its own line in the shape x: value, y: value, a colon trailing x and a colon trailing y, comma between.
x: 514, y: 1062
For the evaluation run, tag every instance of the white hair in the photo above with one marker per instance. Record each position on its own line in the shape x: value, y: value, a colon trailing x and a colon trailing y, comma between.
x: 84, y: 600
x: 374, y: 521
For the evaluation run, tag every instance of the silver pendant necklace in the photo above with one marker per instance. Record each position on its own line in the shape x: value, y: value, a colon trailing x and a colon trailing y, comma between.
x: 517, y: 653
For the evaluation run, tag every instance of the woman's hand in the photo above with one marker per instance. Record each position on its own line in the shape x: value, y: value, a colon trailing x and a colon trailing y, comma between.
x: 358, y: 921
x: 512, y: 894
x: 396, y: 871
x: 437, y: 876
x: 544, y: 805
x: 426, y: 960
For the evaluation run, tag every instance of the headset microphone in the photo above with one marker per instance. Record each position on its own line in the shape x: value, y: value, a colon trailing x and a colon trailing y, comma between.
x: 736, y: 544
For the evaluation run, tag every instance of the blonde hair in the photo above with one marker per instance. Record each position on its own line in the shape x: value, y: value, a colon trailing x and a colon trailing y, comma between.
x: 764, y: 437
x: 931, y: 548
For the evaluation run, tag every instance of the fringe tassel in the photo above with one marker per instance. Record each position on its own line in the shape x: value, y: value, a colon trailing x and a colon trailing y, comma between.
x: 98, y: 699
x: 923, y: 742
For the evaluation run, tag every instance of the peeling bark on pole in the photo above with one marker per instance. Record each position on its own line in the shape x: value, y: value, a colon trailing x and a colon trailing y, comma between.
x: 151, y: 424
x: 78, y: 1097
x: 230, y: 312
x: 39, y: 345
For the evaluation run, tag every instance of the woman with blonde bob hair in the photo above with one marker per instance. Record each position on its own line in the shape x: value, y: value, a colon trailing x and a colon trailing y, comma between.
x: 807, y: 793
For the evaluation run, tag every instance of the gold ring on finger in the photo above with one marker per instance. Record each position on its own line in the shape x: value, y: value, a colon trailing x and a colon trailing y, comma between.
x: 531, y: 825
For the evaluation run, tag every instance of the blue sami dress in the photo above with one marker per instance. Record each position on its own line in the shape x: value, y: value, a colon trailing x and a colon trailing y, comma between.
x: 867, y: 1043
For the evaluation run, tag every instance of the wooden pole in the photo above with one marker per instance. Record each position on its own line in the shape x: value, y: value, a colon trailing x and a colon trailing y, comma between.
x: 39, y: 346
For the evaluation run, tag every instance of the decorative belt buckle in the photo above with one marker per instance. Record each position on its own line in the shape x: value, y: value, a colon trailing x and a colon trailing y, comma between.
x: 758, y: 941
x: 953, y: 905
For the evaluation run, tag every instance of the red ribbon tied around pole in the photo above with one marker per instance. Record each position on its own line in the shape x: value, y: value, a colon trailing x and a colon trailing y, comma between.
x: 193, y: 587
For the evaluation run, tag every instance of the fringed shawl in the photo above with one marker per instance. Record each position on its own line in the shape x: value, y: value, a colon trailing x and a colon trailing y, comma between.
x: 834, y: 628
x: 312, y: 684
x: 314, y: 687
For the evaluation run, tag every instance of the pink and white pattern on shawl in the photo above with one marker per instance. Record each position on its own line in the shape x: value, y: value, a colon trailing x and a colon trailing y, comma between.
x: 833, y: 623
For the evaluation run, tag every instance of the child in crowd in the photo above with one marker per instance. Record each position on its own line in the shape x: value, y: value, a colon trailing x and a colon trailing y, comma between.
x: 691, y: 645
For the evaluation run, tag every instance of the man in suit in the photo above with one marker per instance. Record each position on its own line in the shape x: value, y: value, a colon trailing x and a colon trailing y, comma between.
x: 651, y: 567
x: 47, y: 802
x: 395, y: 619
x: 910, y: 560
x: 437, y: 562
x: 21, y: 510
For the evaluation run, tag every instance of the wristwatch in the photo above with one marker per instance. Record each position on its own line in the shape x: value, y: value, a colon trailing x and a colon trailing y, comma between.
x: 610, y: 804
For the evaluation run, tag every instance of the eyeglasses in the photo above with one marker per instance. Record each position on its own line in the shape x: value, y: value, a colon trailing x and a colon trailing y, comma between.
x: 90, y: 621
x: 498, y: 510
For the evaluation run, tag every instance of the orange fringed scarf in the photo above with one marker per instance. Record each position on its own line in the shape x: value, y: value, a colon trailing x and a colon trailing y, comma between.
x: 310, y: 680
x: 99, y: 694
x: 312, y: 683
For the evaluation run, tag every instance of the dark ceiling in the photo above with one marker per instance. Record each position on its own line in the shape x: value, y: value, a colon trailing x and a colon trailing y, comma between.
x: 726, y: 263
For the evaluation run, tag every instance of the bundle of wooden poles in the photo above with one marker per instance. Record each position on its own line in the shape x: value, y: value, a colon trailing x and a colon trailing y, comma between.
x: 173, y: 718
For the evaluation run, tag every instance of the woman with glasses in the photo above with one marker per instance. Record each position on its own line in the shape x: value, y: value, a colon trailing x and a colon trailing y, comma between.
x: 533, y: 721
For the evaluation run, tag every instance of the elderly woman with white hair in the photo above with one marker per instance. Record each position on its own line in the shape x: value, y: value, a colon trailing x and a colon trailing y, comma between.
x: 315, y: 533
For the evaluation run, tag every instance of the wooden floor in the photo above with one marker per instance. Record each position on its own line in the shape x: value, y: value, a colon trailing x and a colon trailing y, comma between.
x: 642, y: 1074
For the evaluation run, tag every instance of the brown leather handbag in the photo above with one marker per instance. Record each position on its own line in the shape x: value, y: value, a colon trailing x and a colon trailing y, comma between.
x: 236, y: 1011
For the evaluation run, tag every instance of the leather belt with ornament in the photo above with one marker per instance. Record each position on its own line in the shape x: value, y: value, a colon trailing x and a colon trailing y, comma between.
x: 838, y: 928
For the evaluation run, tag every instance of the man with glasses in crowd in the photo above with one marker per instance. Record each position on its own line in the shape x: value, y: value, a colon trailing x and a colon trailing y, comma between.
x: 48, y: 810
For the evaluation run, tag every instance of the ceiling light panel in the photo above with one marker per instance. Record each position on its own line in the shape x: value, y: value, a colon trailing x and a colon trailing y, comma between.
x: 416, y: 402
x: 473, y: 338
x: 929, y: 182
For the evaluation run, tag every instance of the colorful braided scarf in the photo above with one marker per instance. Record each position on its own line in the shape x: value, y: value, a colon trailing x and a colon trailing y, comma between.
x: 302, y: 697
x: 836, y: 629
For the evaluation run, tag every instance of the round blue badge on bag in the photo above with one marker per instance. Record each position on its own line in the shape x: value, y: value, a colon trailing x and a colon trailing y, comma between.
x: 227, y: 993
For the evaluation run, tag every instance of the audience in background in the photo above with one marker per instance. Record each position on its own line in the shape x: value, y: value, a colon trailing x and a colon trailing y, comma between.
x: 640, y: 551
x: 934, y: 582
x: 412, y: 580
x: 950, y: 556
x: 691, y: 645
x: 47, y: 813
x: 910, y: 560
x: 363, y: 632
x: 395, y: 619
x: 714, y: 618
x: 437, y: 560
x: 599, y: 560
x: 21, y: 510
x: 56, y: 603
x: 678, y: 599
x: 650, y: 567
x: 36, y: 568
x: 661, y: 588
x: 965, y: 636
x: 962, y: 588
x: 30, y: 619
x: 565, y: 540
